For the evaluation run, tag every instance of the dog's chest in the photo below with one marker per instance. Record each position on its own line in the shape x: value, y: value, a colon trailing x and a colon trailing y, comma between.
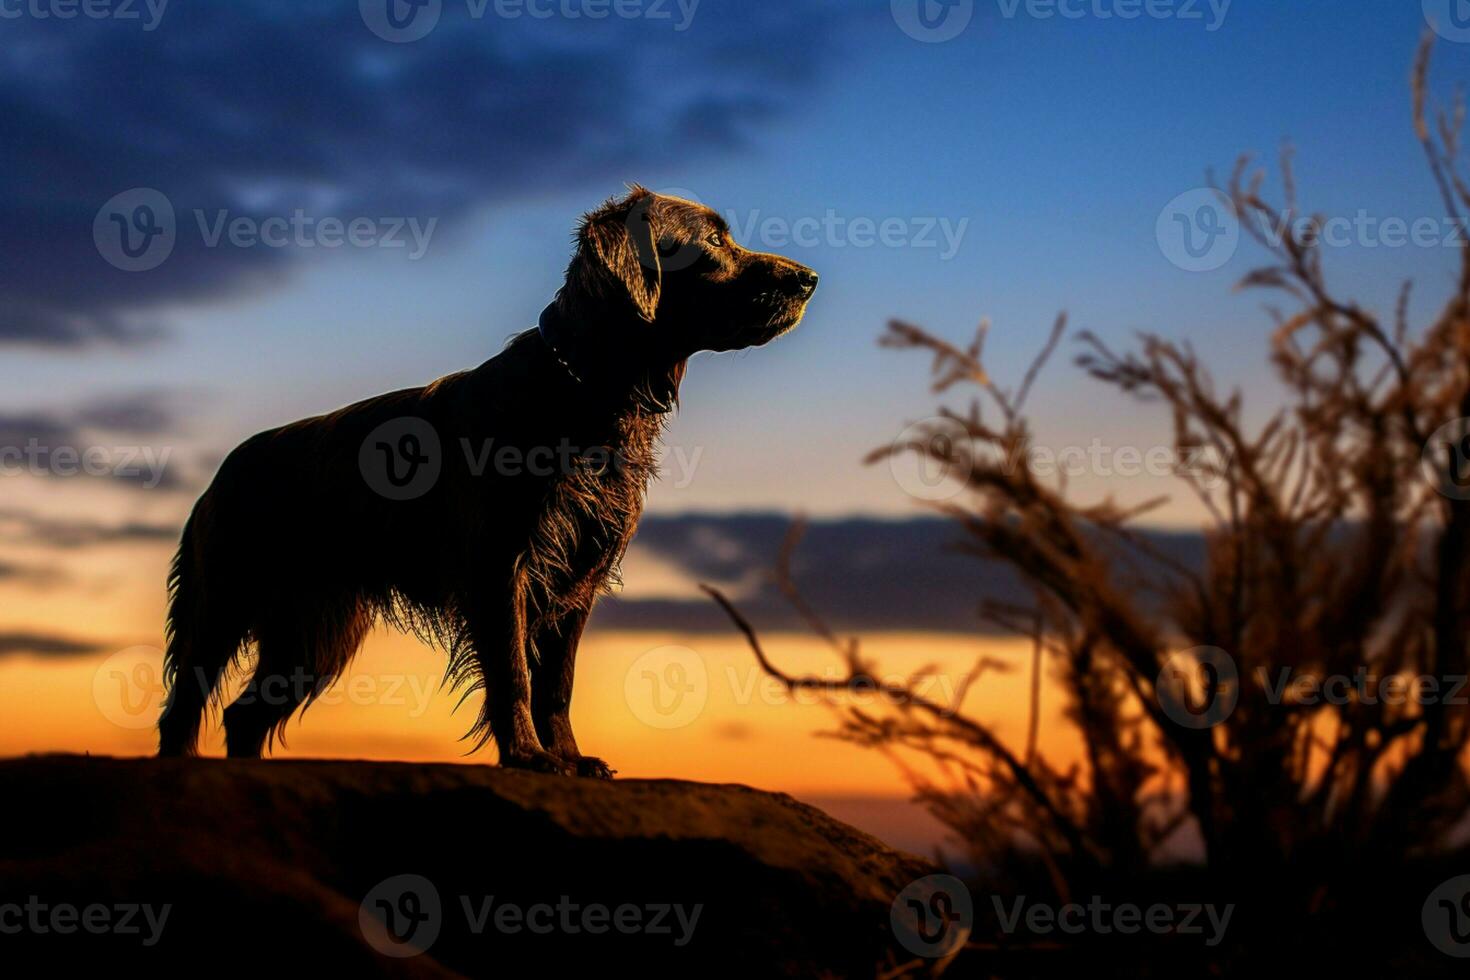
x: 587, y: 517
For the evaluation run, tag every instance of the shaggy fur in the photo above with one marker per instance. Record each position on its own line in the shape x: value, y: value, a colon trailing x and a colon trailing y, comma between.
x: 294, y: 551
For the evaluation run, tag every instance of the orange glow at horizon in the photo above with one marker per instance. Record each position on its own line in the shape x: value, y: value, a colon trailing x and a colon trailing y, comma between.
x: 655, y: 705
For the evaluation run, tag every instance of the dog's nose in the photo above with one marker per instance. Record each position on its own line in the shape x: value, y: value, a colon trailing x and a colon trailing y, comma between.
x: 807, y: 279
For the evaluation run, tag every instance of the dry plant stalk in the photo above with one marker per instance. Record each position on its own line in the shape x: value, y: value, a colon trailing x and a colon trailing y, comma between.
x: 1327, y: 550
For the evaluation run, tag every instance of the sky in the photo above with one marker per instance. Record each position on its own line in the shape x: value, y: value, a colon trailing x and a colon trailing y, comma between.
x: 1011, y: 160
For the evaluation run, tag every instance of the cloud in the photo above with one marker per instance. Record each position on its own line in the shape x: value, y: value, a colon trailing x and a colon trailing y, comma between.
x: 31, y: 576
x: 733, y: 731
x: 100, y: 439
x: 861, y: 574
x: 259, y: 108
x: 28, y: 528
x: 18, y: 643
x: 143, y: 413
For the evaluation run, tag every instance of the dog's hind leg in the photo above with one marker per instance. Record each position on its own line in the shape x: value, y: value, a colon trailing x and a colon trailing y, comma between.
x: 551, y: 692
x: 497, y: 627
x: 205, y: 633
x: 300, y: 654
x: 197, y: 660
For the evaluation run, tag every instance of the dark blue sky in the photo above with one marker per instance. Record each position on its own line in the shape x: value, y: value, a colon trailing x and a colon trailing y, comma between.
x: 1020, y: 168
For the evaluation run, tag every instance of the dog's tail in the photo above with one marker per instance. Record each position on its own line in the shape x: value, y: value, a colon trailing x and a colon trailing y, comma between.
x: 198, y: 652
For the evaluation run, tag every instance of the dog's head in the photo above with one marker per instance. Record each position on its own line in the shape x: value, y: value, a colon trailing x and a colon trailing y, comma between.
x: 668, y: 271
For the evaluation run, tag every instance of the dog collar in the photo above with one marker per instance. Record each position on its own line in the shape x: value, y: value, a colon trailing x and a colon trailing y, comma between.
x: 551, y: 327
x: 545, y: 328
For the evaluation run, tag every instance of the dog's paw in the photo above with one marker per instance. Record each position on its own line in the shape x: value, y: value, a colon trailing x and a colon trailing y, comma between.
x: 592, y: 767
x: 538, y: 760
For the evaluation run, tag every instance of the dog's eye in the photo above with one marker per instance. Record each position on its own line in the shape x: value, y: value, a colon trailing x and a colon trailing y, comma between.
x: 715, y: 239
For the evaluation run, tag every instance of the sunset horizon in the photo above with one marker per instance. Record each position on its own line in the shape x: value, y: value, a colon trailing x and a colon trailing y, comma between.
x: 845, y: 488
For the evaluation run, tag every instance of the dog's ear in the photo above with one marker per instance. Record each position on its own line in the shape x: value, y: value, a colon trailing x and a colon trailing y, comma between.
x: 617, y: 255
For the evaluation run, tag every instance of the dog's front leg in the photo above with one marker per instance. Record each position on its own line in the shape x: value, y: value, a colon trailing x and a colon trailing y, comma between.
x: 551, y: 692
x: 497, y: 623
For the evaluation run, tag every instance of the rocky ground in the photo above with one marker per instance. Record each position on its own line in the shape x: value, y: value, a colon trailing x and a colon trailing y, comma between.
x: 366, y: 868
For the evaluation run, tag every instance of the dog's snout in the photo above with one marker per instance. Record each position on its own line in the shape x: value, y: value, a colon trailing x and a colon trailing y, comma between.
x: 806, y: 279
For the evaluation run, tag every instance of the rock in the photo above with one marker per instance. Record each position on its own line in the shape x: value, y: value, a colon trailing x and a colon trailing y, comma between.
x: 396, y: 869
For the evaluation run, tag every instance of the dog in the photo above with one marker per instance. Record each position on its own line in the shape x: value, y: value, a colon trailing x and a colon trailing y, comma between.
x: 485, y: 512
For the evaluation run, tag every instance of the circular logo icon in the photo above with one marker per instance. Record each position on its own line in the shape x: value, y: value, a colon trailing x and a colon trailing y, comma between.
x: 401, y: 916
x: 667, y: 687
x: 1449, y: 18
x: 1446, y: 459
x: 400, y: 21
x: 135, y: 231
x: 128, y: 687
x: 401, y: 459
x: 929, y: 463
x: 1446, y: 917
x: 1199, y: 687
x: 1198, y: 231
x: 933, y: 916
x: 932, y: 21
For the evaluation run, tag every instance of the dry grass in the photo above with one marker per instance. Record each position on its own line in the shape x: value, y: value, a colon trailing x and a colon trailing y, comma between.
x: 1329, y: 551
